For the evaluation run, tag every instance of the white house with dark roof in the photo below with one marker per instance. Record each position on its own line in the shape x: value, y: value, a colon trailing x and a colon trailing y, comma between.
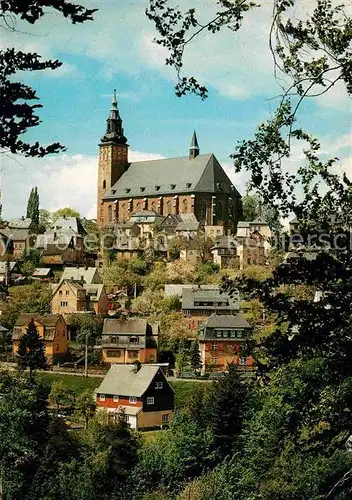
x: 138, y: 393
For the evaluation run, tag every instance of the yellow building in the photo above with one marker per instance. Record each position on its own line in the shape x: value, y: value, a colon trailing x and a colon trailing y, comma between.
x: 71, y: 296
x: 51, y: 328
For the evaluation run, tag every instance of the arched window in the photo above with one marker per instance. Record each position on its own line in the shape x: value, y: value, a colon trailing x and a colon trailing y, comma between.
x: 110, y: 213
x: 184, y: 205
x: 168, y: 207
x: 104, y: 184
x: 203, y: 208
x: 138, y: 207
x: 154, y: 206
x: 123, y: 211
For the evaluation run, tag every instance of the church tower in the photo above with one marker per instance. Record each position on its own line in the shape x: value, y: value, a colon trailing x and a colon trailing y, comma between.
x: 113, y: 157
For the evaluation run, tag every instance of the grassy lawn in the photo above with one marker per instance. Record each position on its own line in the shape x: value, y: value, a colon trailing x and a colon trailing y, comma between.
x: 74, y: 382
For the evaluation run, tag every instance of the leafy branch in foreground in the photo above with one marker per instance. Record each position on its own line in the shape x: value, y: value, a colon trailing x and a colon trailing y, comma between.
x: 17, y: 115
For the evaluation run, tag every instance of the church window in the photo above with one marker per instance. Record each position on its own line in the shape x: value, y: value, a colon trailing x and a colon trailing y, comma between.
x: 104, y: 184
x: 110, y: 213
x: 139, y: 207
x: 154, y: 206
x: 168, y: 207
x: 203, y: 208
x: 184, y: 206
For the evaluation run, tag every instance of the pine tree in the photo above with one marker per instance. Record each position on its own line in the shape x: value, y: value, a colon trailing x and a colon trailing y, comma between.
x: 227, y: 408
x: 31, y: 351
x: 195, y: 359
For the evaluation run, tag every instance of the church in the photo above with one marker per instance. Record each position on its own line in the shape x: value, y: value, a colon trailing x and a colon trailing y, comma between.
x: 193, y: 184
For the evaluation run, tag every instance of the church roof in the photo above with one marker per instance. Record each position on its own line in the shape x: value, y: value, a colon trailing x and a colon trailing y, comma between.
x: 202, y: 174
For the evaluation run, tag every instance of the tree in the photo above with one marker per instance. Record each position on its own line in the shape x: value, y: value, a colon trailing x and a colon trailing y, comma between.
x: 250, y: 207
x: 33, y: 206
x: 86, y: 325
x: 24, y: 421
x: 61, y: 396
x: 31, y: 351
x: 194, y: 355
x: 227, y: 409
x: 85, y: 407
x: 17, y: 115
x: 65, y: 212
x: 45, y: 220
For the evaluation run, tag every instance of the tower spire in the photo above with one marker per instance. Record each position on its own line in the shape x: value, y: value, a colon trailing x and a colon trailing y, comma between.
x: 114, y: 130
x: 194, y: 147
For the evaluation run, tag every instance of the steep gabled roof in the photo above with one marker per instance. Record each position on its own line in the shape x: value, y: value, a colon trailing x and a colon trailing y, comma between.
x: 20, y: 223
x: 137, y: 326
x: 226, y: 321
x: 44, y: 319
x: 122, y: 380
x: 171, y: 176
x: 67, y: 224
x: 85, y: 274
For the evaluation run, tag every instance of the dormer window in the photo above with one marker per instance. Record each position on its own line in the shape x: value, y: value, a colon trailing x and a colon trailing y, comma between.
x: 172, y: 186
x: 157, y: 188
x: 142, y: 188
x: 188, y: 185
x: 127, y: 190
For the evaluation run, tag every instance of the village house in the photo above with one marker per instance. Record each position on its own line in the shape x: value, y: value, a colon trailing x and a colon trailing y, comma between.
x: 9, y: 271
x: 198, y: 303
x: 71, y: 297
x: 52, y: 329
x: 221, y: 340
x: 21, y: 233
x: 126, y: 340
x: 43, y: 274
x: 139, y: 394
x: 225, y: 252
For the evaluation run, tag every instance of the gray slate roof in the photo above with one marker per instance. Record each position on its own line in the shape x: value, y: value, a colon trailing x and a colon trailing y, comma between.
x: 20, y: 223
x: 41, y: 272
x: 172, y: 175
x: 226, y: 321
x: 242, y: 223
x: 226, y: 242
x: 190, y: 296
x: 121, y: 380
x: 89, y: 275
x: 136, y: 326
x: 65, y: 224
x: 16, y: 234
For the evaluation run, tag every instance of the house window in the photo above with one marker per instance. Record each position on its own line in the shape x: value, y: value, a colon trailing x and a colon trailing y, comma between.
x: 113, y: 354
x: 133, y: 354
x: 63, y: 304
x: 102, y: 397
x: 104, y: 184
x: 60, y: 292
x: 132, y: 399
x: 164, y: 418
x: 225, y: 333
x: 67, y: 292
x: 134, y: 340
x: 158, y: 385
x: 150, y: 401
x: 214, y: 361
x: 113, y: 340
x: 214, y: 347
x: 115, y: 399
x: 186, y: 312
x: 243, y: 361
x: 57, y: 347
x: 218, y: 333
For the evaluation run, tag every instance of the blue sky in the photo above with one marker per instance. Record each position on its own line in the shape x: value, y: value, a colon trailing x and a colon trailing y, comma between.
x: 117, y: 51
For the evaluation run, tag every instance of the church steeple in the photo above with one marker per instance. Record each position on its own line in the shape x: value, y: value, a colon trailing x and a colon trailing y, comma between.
x: 194, y: 148
x: 114, y: 130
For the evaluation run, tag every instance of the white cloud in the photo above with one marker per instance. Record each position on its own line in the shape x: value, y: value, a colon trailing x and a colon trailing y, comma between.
x: 62, y: 181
